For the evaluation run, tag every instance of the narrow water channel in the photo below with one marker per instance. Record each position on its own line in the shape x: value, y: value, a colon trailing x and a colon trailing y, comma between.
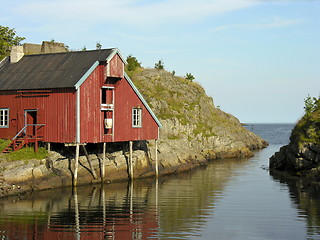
x: 228, y: 199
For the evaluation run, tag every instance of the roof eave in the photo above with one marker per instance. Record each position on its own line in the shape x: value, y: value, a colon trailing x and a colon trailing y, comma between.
x: 86, y: 75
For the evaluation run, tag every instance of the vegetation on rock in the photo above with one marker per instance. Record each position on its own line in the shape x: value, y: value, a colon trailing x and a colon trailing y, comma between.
x: 307, y: 129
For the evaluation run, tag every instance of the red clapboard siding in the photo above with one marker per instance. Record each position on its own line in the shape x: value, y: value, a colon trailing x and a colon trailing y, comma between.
x: 125, y: 100
x: 90, y: 107
x: 55, y: 108
x: 116, y: 67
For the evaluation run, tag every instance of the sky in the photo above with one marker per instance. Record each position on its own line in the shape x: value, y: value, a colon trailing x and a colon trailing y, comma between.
x: 257, y: 59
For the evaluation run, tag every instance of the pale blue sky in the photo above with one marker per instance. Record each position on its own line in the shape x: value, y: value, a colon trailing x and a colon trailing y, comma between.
x: 258, y: 59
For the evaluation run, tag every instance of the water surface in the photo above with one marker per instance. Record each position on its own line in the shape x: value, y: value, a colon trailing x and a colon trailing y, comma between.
x: 229, y: 199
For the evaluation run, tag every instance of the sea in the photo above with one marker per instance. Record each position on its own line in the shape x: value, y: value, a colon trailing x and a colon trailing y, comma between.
x: 228, y: 199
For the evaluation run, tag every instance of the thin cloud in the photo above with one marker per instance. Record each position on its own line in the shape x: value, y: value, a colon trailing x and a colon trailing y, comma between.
x: 275, y: 22
x: 129, y: 12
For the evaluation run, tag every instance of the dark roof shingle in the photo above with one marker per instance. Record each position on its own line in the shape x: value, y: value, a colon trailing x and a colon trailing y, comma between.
x: 47, y: 71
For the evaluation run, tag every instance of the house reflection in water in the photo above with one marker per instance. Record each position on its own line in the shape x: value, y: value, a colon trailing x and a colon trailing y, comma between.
x: 88, y: 213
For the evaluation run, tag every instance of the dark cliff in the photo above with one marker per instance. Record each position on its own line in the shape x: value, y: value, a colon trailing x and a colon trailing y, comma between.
x: 301, y: 157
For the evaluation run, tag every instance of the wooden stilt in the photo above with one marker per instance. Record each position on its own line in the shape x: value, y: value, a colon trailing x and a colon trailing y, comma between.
x: 48, y: 147
x: 75, y: 175
x: 130, y: 160
x: 156, y: 156
x: 103, y: 161
x: 89, y: 162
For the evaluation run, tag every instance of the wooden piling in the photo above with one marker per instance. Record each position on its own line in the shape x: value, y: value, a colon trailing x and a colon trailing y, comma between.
x: 103, y: 161
x: 49, y: 147
x: 130, y: 161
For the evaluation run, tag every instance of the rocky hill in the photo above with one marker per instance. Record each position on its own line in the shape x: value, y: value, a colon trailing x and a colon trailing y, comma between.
x: 192, y: 126
x: 301, y: 157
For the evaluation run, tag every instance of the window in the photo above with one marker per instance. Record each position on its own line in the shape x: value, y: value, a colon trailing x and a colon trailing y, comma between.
x: 4, y: 117
x: 136, y: 117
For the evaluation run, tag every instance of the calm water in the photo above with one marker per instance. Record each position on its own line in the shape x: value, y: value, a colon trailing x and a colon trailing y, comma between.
x: 229, y: 199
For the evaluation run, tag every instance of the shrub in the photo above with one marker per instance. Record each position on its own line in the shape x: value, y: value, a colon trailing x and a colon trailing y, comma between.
x: 311, y: 104
x: 133, y: 63
x: 189, y: 76
x: 159, y: 65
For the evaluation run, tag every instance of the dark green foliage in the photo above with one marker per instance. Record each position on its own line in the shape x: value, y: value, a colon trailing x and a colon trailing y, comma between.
x: 189, y: 76
x: 133, y: 63
x: 311, y: 104
x: 8, y: 39
x: 159, y: 65
x: 98, y: 46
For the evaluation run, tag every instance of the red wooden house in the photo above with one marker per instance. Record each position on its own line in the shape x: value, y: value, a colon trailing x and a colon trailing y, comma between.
x: 72, y: 97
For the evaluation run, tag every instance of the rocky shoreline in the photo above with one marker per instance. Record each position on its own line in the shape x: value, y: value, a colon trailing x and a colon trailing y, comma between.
x: 19, y: 177
x: 302, y: 161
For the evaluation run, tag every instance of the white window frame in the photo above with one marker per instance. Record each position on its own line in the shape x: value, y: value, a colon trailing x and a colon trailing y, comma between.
x: 136, y: 117
x: 4, y: 117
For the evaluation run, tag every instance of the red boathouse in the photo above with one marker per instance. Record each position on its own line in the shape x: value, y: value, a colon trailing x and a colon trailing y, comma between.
x: 73, y: 98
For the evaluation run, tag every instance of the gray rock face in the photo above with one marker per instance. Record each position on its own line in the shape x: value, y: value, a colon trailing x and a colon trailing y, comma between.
x: 294, y: 158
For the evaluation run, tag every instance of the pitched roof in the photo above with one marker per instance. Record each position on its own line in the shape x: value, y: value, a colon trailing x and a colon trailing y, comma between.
x: 46, y: 71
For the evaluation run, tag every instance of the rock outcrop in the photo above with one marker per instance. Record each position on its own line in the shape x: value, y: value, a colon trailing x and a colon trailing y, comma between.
x: 194, y: 132
x: 301, y: 157
x: 192, y: 126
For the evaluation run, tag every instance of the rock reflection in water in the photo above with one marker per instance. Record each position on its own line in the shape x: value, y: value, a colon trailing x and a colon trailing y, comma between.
x: 306, y: 197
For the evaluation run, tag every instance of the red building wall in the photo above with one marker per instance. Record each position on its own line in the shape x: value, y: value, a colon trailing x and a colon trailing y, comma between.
x: 116, y: 67
x: 91, y: 122
x: 92, y: 117
x: 55, y: 108
x: 125, y: 100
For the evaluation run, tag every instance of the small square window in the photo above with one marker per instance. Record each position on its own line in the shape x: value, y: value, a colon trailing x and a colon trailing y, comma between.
x: 4, y: 117
x: 136, y: 117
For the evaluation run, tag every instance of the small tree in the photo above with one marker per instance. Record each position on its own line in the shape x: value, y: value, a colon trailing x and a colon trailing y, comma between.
x: 8, y: 39
x: 189, y: 76
x: 98, y: 46
x: 133, y: 63
x: 311, y: 104
x: 159, y: 65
